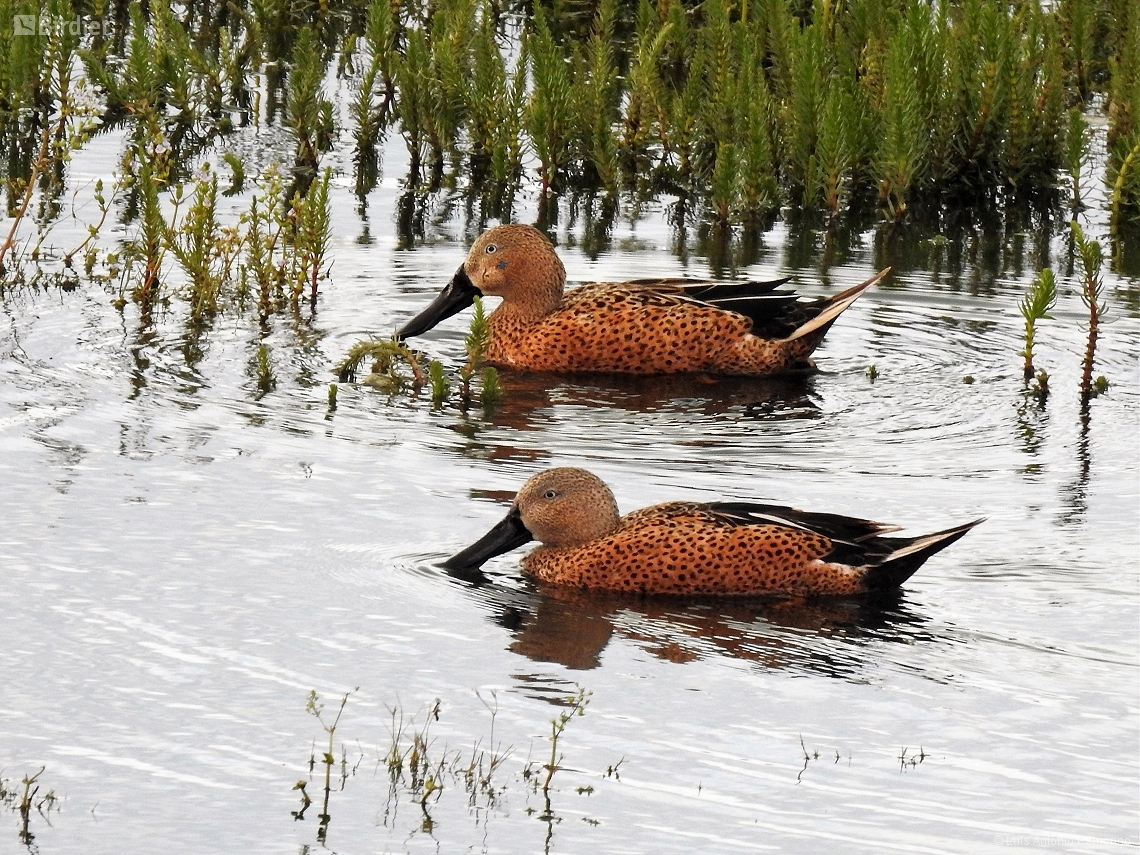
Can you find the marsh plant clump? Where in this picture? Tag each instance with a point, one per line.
(745, 105)
(420, 770)
(1040, 299)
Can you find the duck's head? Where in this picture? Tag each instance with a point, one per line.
(563, 507)
(515, 262)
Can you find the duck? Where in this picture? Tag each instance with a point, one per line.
(644, 326)
(691, 548)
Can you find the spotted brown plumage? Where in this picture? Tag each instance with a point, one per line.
(721, 548)
(647, 326)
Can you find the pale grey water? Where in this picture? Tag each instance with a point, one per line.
(183, 561)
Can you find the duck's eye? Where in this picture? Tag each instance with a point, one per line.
(491, 248)
(549, 494)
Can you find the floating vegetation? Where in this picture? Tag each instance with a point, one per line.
(814, 755)
(908, 760)
(390, 357)
(385, 374)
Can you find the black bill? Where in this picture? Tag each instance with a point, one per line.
(505, 536)
(459, 293)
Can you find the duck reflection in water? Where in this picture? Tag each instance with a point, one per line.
(529, 400)
(572, 627)
(785, 396)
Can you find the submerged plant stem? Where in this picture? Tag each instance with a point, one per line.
(37, 167)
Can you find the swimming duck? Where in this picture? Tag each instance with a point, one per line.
(647, 326)
(720, 548)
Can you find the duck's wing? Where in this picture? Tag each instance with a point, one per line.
(832, 526)
(775, 312)
(887, 561)
(764, 303)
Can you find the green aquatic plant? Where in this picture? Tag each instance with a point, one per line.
(476, 342)
(1077, 140)
(328, 760)
(309, 112)
(1078, 26)
(311, 237)
(76, 115)
(835, 147)
(438, 379)
(1092, 291)
(902, 141)
(376, 80)
(753, 128)
(453, 24)
(419, 768)
(204, 248)
(237, 168)
(549, 112)
(93, 229)
(411, 71)
(490, 392)
(643, 106)
(41, 162)
(575, 706)
(266, 223)
(149, 247)
(1035, 306)
(735, 107)
(264, 377)
(389, 357)
(599, 102)
(724, 187)
(1123, 140)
